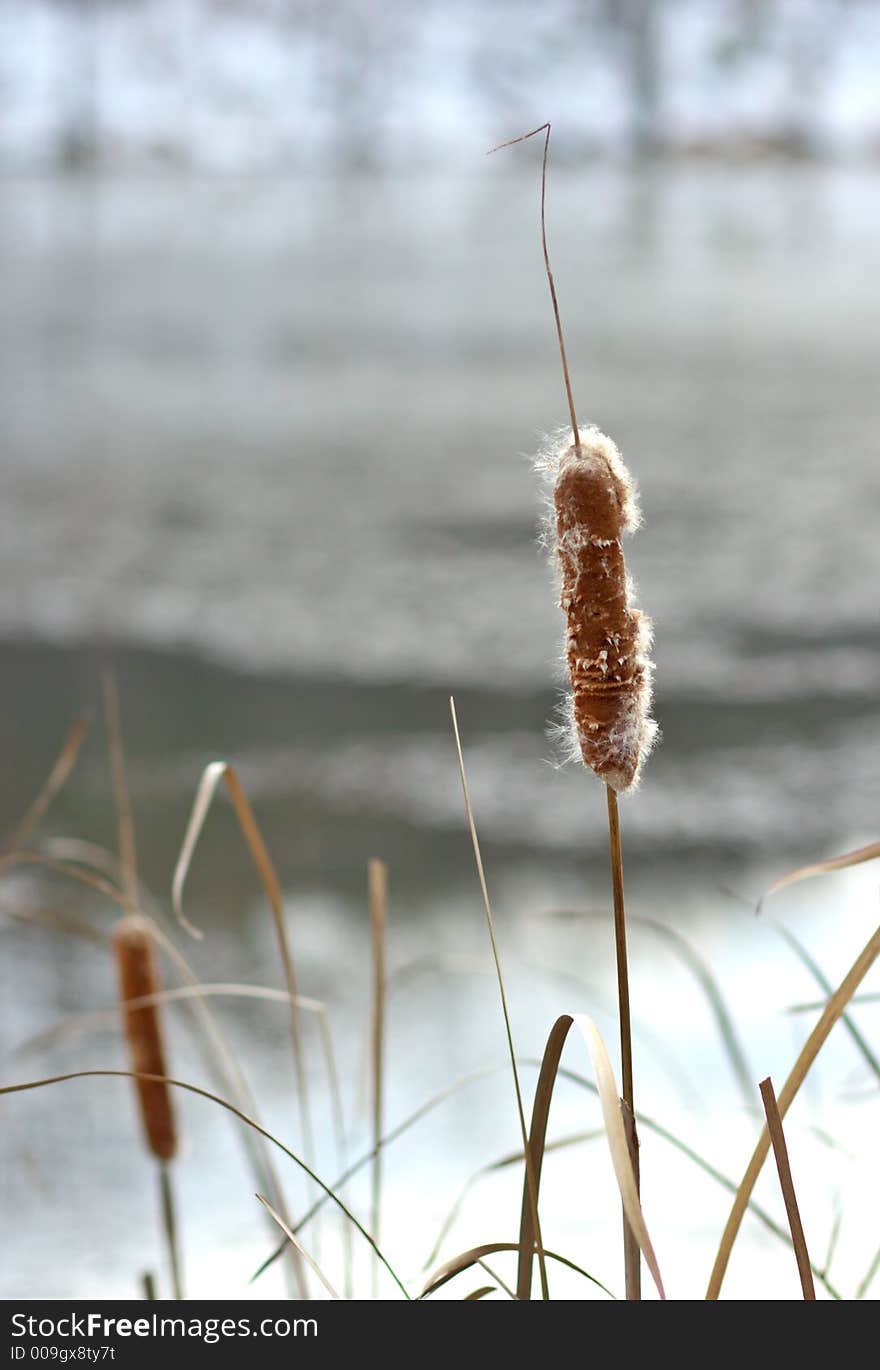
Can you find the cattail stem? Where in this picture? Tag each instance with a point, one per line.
(631, 1254)
(560, 336)
(169, 1227)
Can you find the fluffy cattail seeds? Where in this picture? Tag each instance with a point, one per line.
(139, 979)
(607, 639)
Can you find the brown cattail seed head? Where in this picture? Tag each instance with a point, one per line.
(607, 639)
(138, 979)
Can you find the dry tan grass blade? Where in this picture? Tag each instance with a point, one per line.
(834, 863)
(475, 1256)
(499, 1282)
(70, 870)
(531, 1185)
(211, 777)
(54, 920)
(614, 1130)
(75, 1024)
(55, 781)
(295, 1242)
(780, 1151)
(813, 1045)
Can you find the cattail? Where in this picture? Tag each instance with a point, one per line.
(607, 640)
(606, 648)
(139, 979)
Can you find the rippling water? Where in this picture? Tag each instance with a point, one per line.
(266, 445)
(286, 427)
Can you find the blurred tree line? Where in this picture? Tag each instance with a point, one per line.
(250, 84)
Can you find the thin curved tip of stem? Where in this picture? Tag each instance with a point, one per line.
(523, 137)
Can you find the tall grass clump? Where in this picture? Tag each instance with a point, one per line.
(135, 939)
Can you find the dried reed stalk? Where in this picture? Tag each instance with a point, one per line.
(295, 1242)
(531, 1184)
(593, 504)
(832, 1012)
(53, 784)
(786, 1184)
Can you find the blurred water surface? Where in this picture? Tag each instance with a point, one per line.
(286, 427)
(266, 446)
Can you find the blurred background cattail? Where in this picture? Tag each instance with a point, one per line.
(139, 985)
(139, 981)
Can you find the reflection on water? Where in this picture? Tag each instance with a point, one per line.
(265, 445)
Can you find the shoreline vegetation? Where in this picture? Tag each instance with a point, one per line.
(112, 880)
